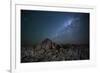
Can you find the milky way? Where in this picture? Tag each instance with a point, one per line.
(61, 27)
(66, 27)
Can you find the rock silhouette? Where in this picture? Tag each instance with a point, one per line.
(51, 51)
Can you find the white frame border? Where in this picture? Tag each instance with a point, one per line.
(51, 65)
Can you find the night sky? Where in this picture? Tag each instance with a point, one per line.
(60, 27)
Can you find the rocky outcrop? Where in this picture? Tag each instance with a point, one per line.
(50, 51)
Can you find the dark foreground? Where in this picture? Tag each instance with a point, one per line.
(49, 51)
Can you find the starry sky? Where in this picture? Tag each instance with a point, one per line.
(60, 27)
